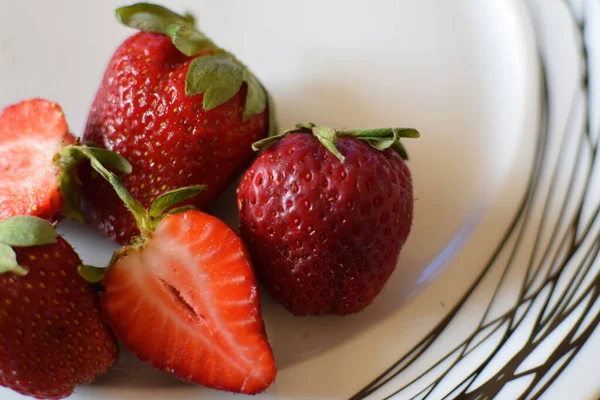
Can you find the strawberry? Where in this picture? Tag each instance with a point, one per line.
(51, 333)
(324, 215)
(37, 160)
(184, 297)
(179, 108)
(31, 133)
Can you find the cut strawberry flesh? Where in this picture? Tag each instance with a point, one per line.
(188, 302)
(31, 134)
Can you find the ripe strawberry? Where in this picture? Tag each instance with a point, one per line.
(37, 157)
(324, 215)
(184, 297)
(51, 333)
(180, 109)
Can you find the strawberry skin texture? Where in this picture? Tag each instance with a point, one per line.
(325, 235)
(141, 112)
(187, 302)
(32, 132)
(51, 333)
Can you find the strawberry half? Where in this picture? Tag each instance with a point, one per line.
(187, 302)
(51, 333)
(32, 132)
(38, 157)
(184, 297)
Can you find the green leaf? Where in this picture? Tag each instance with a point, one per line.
(384, 138)
(69, 157)
(409, 133)
(68, 182)
(399, 147)
(268, 141)
(181, 209)
(191, 20)
(256, 96)
(382, 143)
(26, 231)
(111, 160)
(134, 206)
(154, 18)
(8, 261)
(382, 133)
(379, 139)
(325, 133)
(328, 138)
(90, 273)
(150, 17)
(174, 197)
(219, 77)
(305, 127)
(188, 40)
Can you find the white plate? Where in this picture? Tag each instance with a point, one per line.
(468, 76)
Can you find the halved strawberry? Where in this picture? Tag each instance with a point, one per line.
(184, 297)
(187, 302)
(32, 132)
(38, 159)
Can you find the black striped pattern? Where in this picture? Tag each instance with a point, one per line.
(547, 261)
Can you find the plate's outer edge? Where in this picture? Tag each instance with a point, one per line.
(557, 308)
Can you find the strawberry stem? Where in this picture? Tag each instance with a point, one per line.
(135, 207)
(215, 72)
(380, 138)
(100, 159)
(69, 158)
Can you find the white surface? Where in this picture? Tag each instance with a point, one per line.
(464, 73)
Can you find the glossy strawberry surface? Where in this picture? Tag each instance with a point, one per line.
(142, 112)
(51, 334)
(325, 234)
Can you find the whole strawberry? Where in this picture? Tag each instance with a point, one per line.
(51, 333)
(38, 156)
(325, 214)
(180, 109)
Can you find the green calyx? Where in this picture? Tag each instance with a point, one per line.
(101, 160)
(68, 160)
(147, 220)
(90, 273)
(216, 73)
(22, 231)
(380, 138)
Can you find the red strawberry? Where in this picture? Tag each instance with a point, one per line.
(188, 303)
(37, 160)
(31, 134)
(180, 109)
(184, 297)
(325, 214)
(51, 333)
